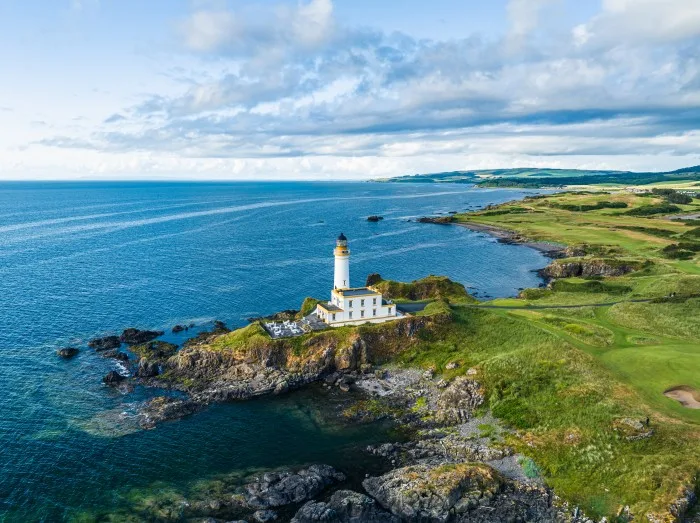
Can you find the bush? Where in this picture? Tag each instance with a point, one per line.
(651, 210)
(683, 199)
(593, 207)
(681, 251)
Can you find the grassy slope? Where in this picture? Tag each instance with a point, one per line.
(563, 376)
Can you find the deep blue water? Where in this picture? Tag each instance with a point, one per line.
(82, 259)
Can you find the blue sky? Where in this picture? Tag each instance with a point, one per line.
(344, 89)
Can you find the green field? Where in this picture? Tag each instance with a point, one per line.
(564, 376)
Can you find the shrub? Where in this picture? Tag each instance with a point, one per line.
(651, 210)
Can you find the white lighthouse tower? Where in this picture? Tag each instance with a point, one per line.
(341, 278)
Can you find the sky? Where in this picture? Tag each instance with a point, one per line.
(344, 89)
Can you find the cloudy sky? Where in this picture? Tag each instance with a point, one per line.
(335, 89)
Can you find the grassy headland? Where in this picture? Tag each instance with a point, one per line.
(565, 376)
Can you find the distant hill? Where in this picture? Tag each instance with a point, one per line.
(538, 178)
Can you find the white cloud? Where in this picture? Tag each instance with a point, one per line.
(641, 22)
(523, 19)
(208, 30)
(313, 22)
(295, 93)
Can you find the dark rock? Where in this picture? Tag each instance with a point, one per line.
(591, 267)
(135, 336)
(67, 352)
(276, 489)
(373, 279)
(440, 220)
(113, 378)
(374, 218)
(265, 516)
(165, 408)
(105, 343)
(220, 327)
(147, 369)
(116, 354)
(344, 506)
(179, 328)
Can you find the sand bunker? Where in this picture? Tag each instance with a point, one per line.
(686, 396)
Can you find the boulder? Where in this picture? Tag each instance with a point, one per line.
(166, 408)
(67, 352)
(147, 369)
(116, 354)
(276, 489)
(105, 343)
(463, 493)
(135, 336)
(458, 401)
(344, 506)
(179, 328)
(113, 378)
(374, 218)
(433, 494)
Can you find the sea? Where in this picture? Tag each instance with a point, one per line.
(85, 259)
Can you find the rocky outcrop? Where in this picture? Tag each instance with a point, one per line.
(116, 354)
(135, 336)
(344, 506)
(461, 493)
(276, 489)
(440, 220)
(277, 366)
(440, 449)
(374, 218)
(568, 268)
(155, 350)
(458, 401)
(147, 369)
(113, 378)
(165, 408)
(105, 343)
(179, 328)
(67, 352)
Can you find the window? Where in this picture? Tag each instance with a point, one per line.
(333, 317)
(362, 303)
(374, 312)
(389, 310)
(350, 304)
(374, 301)
(350, 314)
(362, 314)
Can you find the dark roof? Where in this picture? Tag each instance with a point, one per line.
(364, 291)
(330, 307)
(342, 238)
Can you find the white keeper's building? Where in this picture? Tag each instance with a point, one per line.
(352, 305)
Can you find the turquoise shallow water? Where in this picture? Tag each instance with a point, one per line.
(82, 259)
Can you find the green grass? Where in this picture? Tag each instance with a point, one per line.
(564, 376)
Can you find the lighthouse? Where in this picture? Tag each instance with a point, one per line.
(341, 278)
(352, 305)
